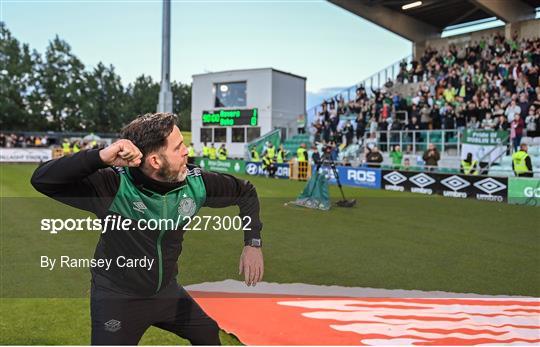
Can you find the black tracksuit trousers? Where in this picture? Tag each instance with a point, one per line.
(121, 319)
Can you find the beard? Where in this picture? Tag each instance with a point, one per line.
(169, 175)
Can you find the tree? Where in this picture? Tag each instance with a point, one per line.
(142, 97)
(104, 97)
(62, 81)
(54, 92)
(37, 106)
(16, 71)
(182, 104)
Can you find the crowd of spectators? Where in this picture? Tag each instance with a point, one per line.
(34, 141)
(21, 141)
(492, 84)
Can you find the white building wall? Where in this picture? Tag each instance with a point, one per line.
(288, 101)
(279, 98)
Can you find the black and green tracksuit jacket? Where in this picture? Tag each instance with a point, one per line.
(85, 182)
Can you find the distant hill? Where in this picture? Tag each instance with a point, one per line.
(315, 98)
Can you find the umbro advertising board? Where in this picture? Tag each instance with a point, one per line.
(450, 185)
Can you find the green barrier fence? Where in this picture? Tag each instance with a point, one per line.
(228, 166)
(524, 191)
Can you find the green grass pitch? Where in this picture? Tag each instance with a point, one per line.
(390, 240)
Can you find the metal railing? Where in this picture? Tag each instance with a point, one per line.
(375, 81)
(490, 162)
(415, 140)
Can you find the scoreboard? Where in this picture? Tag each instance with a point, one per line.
(231, 117)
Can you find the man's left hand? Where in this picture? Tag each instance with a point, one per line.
(252, 265)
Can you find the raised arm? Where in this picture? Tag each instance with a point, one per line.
(83, 179)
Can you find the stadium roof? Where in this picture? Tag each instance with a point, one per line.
(431, 17)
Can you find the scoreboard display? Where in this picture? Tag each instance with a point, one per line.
(230, 117)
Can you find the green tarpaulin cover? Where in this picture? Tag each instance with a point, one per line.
(315, 194)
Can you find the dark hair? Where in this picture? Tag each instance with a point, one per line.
(149, 132)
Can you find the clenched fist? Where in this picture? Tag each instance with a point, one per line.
(121, 153)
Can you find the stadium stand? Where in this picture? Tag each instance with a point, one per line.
(459, 88)
(492, 84)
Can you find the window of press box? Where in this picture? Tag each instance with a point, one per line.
(231, 94)
(253, 133)
(220, 135)
(239, 134)
(206, 135)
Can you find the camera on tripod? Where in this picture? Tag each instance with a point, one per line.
(343, 202)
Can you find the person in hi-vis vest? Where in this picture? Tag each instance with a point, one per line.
(191, 154)
(281, 155)
(469, 166)
(222, 152)
(254, 155)
(270, 150)
(521, 162)
(205, 150)
(75, 148)
(66, 148)
(269, 166)
(212, 152)
(301, 153)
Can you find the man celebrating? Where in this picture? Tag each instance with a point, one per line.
(141, 177)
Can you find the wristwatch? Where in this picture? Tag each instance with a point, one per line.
(253, 243)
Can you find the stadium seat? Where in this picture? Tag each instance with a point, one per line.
(435, 136)
(506, 160)
(497, 172)
(534, 150)
(501, 170)
(527, 140)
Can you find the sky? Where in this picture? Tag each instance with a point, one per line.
(331, 47)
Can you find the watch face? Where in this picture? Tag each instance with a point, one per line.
(256, 242)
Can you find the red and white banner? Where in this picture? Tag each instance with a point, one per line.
(280, 317)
